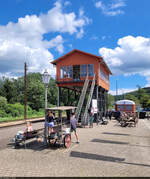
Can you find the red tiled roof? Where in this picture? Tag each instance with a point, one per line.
(76, 50)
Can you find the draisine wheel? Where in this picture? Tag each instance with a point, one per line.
(67, 141)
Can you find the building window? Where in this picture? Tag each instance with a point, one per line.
(69, 71)
(66, 72)
(91, 69)
(62, 69)
(104, 75)
(120, 107)
(129, 107)
(83, 70)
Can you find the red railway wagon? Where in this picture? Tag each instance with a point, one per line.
(125, 106)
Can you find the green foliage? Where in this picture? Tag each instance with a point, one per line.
(111, 100)
(16, 109)
(8, 90)
(12, 96)
(52, 92)
(13, 91)
(2, 113)
(35, 95)
(33, 114)
(141, 97)
(133, 98)
(3, 102)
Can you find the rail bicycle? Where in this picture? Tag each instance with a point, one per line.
(61, 134)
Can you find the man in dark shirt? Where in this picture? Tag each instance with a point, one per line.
(118, 115)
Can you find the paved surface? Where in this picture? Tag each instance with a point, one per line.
(7, 133)
(103, 151)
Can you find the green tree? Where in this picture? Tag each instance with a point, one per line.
(52, 92)
(133, 98)
(143, 97)
(35, 91)
(111, 101)
(8, 90)
(3, 102)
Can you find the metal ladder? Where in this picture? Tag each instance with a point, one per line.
(81, 100)
(85, 116)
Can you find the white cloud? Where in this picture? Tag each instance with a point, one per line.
(103, 37)
(24, 40)
(81, 12)
(112, 9)
(57, 21)
(121, 91)
(131, 56)
(67, 3)
(94, 37)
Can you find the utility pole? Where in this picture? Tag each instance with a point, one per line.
(116, 89)
(25, 91)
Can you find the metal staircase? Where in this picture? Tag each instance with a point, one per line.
(84, 120)
(82, 97)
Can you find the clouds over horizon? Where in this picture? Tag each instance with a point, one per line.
(24, 40)
(121, 91)
(131, 56)
(111, 9)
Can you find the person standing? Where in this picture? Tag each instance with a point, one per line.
(50, 121)
(91, 118)
(118, 115)
(110, 114)
(73, 123)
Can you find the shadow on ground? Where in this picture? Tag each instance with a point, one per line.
(111, 133)
(103, 158)
(34, 145)
(109, 141)
(95, 156)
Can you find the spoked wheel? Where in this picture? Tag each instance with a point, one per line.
(67, 141)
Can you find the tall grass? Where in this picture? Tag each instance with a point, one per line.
(29, 115)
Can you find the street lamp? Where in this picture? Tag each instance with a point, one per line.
(45, 78)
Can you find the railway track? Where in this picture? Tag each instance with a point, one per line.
(20, 122)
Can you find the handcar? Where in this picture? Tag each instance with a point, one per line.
(62, 133)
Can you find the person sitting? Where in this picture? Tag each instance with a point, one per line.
(26, 133)
(29, 127)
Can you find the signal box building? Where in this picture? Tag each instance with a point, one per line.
(71, 72)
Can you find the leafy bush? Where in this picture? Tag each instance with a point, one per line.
(2, 113)
(16, 109)
(3, 102)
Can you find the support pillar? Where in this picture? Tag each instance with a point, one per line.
(97, 87)
(59, 96)
(68, 94)
(59, 100)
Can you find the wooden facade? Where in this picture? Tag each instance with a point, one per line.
(79, 61)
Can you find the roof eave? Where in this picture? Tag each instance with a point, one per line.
(99, 57)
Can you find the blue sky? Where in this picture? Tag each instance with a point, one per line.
(38, 31)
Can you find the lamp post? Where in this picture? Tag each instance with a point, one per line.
(45, 78)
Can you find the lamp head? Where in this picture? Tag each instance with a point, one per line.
(46, 77)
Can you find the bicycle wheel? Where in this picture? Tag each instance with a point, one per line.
(67, 140)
